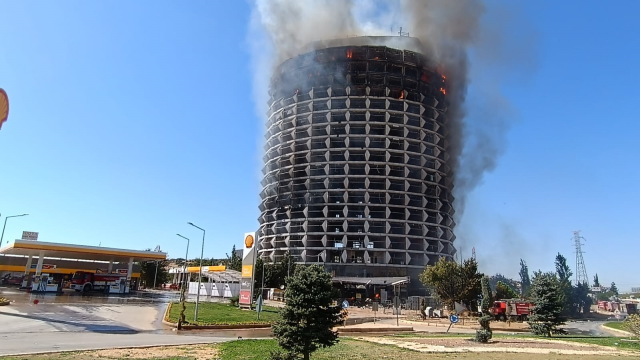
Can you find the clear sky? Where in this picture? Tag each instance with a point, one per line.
(130, 119)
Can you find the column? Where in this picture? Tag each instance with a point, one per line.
(110, 266)
(40, 263)
(130, 269)
(27, 269)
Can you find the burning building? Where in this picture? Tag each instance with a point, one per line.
(355, 165)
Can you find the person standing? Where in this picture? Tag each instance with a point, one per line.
(423, 309)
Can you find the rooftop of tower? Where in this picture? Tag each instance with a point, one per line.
(396, 42)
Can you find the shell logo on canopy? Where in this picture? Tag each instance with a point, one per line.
(4, 107)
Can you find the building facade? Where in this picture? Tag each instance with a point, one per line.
(355, 165)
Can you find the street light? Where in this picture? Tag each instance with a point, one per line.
(186, 256)
(195, 317)
(5, 225)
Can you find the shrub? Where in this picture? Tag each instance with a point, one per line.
(234, 300)
(632, 324)
(483, 336)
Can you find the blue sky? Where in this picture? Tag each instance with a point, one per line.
(128, 121)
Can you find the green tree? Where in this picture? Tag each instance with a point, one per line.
(487, 296)
(453, 282)
(596, 282)
(257, 274)
(307, 320)
(504, 291)
(494, 279)
(547, 312)
(581, 299)
(525, 281)
(614, 289)
(562, 269)
(485, 334)
(471, 283)
(234, 262)
(148, 272)
(564, 277)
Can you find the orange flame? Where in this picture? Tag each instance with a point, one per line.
(443, 91)
(401, 95)
(349, 54)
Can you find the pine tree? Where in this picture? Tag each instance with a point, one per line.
(504, 291)
(308, 318)
(547, 312)
(234, 262)
(564, 277)
(596, 282)
(487, 298)
(614, 289)
(525, 281)
(581, 299)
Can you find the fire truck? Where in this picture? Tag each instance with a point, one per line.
(109, 283)
(512, 309)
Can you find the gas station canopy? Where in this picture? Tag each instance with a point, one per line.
(81, 252)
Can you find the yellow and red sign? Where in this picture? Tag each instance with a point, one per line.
(248, 261)
(4, 107)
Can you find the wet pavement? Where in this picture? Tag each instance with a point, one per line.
(589, 328)
(76, 321)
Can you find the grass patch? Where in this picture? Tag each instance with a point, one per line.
(609, 341)
(223, 314)
(618, 325)
(612, 341)
(346, 349)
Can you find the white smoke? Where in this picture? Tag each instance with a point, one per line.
(451, 31)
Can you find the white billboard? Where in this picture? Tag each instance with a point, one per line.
(29, 235)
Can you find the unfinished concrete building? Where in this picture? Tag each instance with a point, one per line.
(355, 165)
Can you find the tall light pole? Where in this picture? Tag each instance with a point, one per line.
(195, 317)
(5, 225)
(186, 256)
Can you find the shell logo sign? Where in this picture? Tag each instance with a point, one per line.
(4, 107)
(248, 241)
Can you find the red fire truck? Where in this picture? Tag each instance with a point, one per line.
(512, 309)
(110, 283)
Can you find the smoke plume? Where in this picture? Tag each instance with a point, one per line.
(452, 32)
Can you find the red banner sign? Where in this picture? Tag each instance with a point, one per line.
(245, 297)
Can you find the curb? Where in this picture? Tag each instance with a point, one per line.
(165, 321)
(618, 331)
(376, 330)
(469, 327)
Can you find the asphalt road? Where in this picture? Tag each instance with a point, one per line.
(592, 328)
(74, 322)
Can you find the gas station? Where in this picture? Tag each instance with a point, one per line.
(50, 267)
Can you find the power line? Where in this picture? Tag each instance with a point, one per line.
(581, 269)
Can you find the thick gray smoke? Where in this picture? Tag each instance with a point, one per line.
(451, 31)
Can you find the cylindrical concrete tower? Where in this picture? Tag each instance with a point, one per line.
(355, 166)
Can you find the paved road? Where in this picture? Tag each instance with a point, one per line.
(592, 328)
(75, 322)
